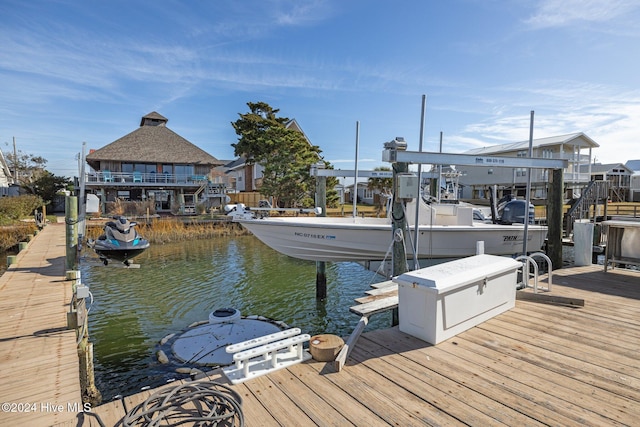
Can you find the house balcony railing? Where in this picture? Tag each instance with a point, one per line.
(583, 159)
(576, 177)
(142, 179)
(542, 176)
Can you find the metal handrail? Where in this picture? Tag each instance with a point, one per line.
(594, 193)
(528, 261)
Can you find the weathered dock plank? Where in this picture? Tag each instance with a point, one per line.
(315, 375)
(299, 386)
(564, 385)
(39, 366)
(537, 364)
(434, 389)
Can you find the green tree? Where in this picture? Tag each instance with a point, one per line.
(46, 185)
(384, 186)
(332, 195)
(285, 154)
(25, 166)
(33, 178)
(255, 130)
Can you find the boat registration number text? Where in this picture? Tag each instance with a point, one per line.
(314, 236)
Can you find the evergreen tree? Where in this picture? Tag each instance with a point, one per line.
(285, 154)
(47, 185)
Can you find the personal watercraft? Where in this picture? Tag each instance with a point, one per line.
(119, 242)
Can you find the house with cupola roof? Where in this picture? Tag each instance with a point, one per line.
(155, 164)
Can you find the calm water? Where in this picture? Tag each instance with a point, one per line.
(181, 283)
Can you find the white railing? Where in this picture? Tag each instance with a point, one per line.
(583, 159)
(576, 177)
(141, 178)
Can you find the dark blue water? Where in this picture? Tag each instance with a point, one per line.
(178, 284)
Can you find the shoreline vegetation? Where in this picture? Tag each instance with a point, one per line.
(170, 230)
(159, 230)
(12, 235)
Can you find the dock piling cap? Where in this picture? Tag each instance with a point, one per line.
(325, 347)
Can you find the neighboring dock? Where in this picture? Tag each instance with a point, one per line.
(537, 364)
(39, 368)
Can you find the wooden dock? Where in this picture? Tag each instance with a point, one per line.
(39, 368)
(537, 364)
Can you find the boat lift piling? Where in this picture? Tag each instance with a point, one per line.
(320, 173)
(398, 217)
(321, 201)
(554, 217)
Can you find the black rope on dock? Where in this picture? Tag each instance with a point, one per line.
(202, 403)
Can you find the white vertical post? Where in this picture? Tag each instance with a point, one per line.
(528, 195)
(416, 264)
(355, 176)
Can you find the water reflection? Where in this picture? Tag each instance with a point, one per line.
(181, 283)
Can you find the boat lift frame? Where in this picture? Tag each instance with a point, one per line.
(395, 152)
(394, 155)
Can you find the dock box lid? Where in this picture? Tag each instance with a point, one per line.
(450, 275)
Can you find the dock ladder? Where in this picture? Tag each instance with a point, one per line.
(527, 274)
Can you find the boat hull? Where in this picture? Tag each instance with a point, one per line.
(366, 239)
(122, 252)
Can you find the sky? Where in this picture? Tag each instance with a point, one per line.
(83, 73)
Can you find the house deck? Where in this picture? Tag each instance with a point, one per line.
(537, 364)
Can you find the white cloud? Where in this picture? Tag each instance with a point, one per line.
(559, 13)
(607, 114)
(300, 12)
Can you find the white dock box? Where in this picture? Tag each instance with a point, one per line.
(438, 302)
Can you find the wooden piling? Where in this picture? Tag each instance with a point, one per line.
(90, 393)
(71, 223)
(321, 201)
(554, 218)
(399, 224)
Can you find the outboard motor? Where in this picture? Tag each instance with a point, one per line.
(513, 212)
(239, 211)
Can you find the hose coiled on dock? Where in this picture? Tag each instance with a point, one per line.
(201, 403)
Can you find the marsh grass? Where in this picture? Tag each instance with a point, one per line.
(11, 235)
(169, 230)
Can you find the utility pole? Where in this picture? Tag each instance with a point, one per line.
(15, 161)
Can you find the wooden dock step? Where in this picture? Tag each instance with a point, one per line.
(379, 305)
(383, 297)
